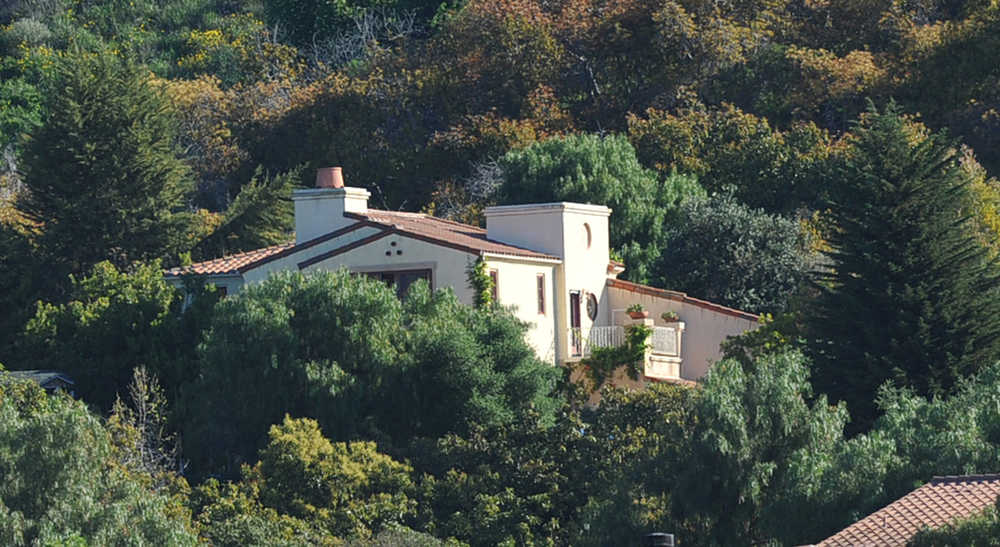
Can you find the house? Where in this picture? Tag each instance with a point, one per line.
(50, 380)
(549, 261)
(944, 500)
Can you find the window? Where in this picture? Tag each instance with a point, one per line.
(540, 281)
(495, 291)
(401, 279)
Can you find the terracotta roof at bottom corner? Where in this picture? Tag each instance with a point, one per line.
(942, 501)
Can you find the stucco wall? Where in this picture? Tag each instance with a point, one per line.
(561, 229)
(447, 265)
(705, 328)
(518, 288)
(291, 262)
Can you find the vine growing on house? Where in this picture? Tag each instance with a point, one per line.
(480, 282)
(604, 361)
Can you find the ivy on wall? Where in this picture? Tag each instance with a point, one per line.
(604, 361)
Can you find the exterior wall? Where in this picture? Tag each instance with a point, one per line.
(291, 262)
(576, 233)
(704, 330)
(319, 211)
(231, 283)
(585, 262)
(517, 287)
(447, 266)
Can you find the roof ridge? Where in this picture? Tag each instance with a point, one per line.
(965, 478)
(433, 218)
(457, 223)
(404, 213)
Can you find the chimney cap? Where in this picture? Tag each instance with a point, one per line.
(329, 177)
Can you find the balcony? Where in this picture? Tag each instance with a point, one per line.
(663, 353)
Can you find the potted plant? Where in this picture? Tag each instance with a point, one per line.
(670, 317)
(636, 311)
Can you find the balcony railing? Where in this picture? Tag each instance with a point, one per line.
(664, 340)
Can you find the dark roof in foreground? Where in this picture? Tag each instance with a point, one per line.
(452, 234)
(942, 501)
(41, 377)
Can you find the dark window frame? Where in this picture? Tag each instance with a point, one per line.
(540, 285)
(391, 277)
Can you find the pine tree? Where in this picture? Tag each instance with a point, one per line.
(910, 295)
(104, 175)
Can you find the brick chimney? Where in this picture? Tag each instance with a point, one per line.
(320, 210)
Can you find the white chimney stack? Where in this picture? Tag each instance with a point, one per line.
(320, 210)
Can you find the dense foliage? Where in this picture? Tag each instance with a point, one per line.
(346, 351)
(908, 283)
(172, 130)
(105, 179)
(977, 531)
(758, 261)
(603, 171)
(86, 337)
(62, 483)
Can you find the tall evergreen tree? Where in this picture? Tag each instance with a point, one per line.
(104, 175)
(910, 295)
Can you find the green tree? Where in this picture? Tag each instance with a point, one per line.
(260, 215)
(756, 438)
(728, 253)
(350, 488)
(113, 322)
(231, 513)
(603, 171)
(61, 482)
(909, 295)
(309, 21)
(19, 282)
(345, 351)
(730, 150)
(105, 181)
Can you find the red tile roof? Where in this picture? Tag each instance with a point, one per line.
(680, 297)
(943, 500)
(446, 232)
(417, 225)
(231, 264)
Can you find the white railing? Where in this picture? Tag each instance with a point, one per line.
(604, 337)
(664, 340)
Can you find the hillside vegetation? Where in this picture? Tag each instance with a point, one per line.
(828, 163)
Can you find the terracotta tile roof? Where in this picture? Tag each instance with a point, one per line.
(939, 502)
(231, 264)
(680, 297)
(420, 226)
(447, 232)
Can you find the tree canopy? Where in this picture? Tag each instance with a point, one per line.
(62, 483)
(602, 171)
(757, 261)
(908, 283)
(344, 350)
(104, 177)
